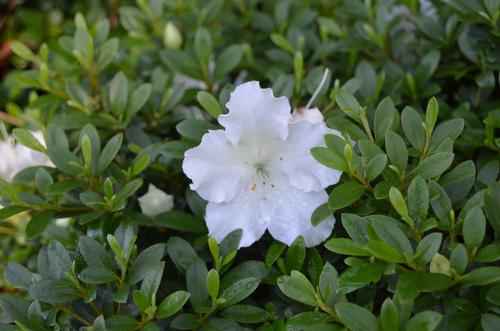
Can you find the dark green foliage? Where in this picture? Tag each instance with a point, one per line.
(123, 89)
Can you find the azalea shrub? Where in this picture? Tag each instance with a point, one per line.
(240, 165)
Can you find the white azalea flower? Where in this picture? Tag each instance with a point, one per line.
(155, 201)
(16, 157)
(259, 174)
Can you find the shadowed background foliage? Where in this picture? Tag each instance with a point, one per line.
(122, 88)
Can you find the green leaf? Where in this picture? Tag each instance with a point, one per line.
(375, 166)
(459, 181)
(489, 253)
(94, 254)
(121, 323)
(490, 322)
(348, 104)
(450, 129)
(145, 260)
(411, 122)
(356, 318)
(22, 51)
(298, 287)
(329, 158)
(141, 300)
(386, 117)
(181, 252)
(493, 295)
(126, 192)
(407, 286)
(194, 129)
(118, 93)
(246, 269)
(239, 291)
(209, 103)
(107, 53)
(398, 202)
(396, 150)
(359, 276)
(121, 295)
(203, 46)
(245, 314)
(38, 223)
(230, 243)
(440, 202)
(392, 235)
(356, 227)
(418, 198)
(16, 309)
(63, 159)
(431, 113)
(424, 321)
(389, 316)
(27, 139)
(384, 252)
(182, 221)
(185, 322)
(428, 247)
(196, 283)
(282, 42)
(459, 259)
(474, 228)
(213, 283)
(43, 180)
(109, 152)
(11, 210)
(172, 304)
(53, 291)
(328, 280)
(346, 246)
(227, 61)
(482, 276)
(138, 99)
(53, 260)
(344, 195)
(79, 98)
(18, 275)
(309, 320)
(59, 188)
(152, 281)
(274, 252)
(434, 165)
(296, 254)
(97, 275)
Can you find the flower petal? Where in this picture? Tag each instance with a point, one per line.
(243, 212)
(290, 212)
(215, 169)
(18, 157)
(312, 115)
(255, 111)
(296, 161)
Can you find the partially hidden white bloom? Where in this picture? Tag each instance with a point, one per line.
(312, 115)
(258, 173)
(16, 157)
(155, 201)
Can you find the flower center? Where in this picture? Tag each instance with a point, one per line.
(262, 177)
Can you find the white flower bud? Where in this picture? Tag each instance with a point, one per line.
(155, 202)
(440, 264)
(172, 37)
(311, 115)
